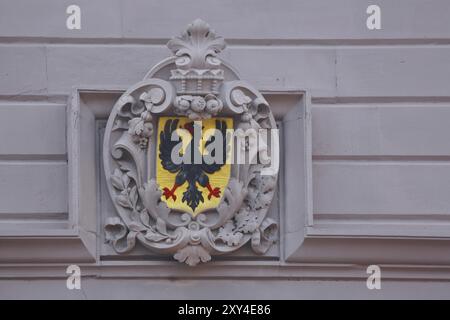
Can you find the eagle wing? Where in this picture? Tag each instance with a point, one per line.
(166, 146)
(221, 126)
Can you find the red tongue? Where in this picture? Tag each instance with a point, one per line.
(190, 127)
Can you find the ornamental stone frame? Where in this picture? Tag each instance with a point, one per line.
(197, 84)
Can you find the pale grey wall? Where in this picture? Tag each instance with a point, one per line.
(380, 105)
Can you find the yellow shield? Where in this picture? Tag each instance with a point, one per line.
(194, 186)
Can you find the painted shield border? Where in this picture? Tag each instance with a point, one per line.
(215, 177)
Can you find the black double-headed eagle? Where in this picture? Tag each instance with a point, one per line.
(189, 171)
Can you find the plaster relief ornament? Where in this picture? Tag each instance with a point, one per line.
(168, 157)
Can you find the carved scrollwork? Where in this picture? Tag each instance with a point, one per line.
(196, 90)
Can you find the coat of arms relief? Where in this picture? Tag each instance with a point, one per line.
(189, 157)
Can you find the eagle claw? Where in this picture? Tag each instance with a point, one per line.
(169, 194)
(214, 192)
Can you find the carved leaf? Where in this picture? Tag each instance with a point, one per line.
(246, 221)
(133, 196)
(116, 180)
(161, 226)
(125, 180)
(129, 169)
(151, 197)
(192, 255)
(234, 195)
(123, 201)
(197, 46)
(137, 227)
(145, 218)
(228, 235)
(155, 236)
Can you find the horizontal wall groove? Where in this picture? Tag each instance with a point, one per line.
(30, 103)
(27, 216)
(382, 217)
(378, 158)
(374, 163)
(61, 98)
(26, 162)
(230, 41)
(380, 99)
(35, 158)
(218, 270)
(48, 99)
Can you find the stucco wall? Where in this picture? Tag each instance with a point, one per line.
(380, 111)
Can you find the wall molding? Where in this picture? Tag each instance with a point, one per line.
(226, 270)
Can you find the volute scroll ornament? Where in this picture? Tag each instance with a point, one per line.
(169, 155)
